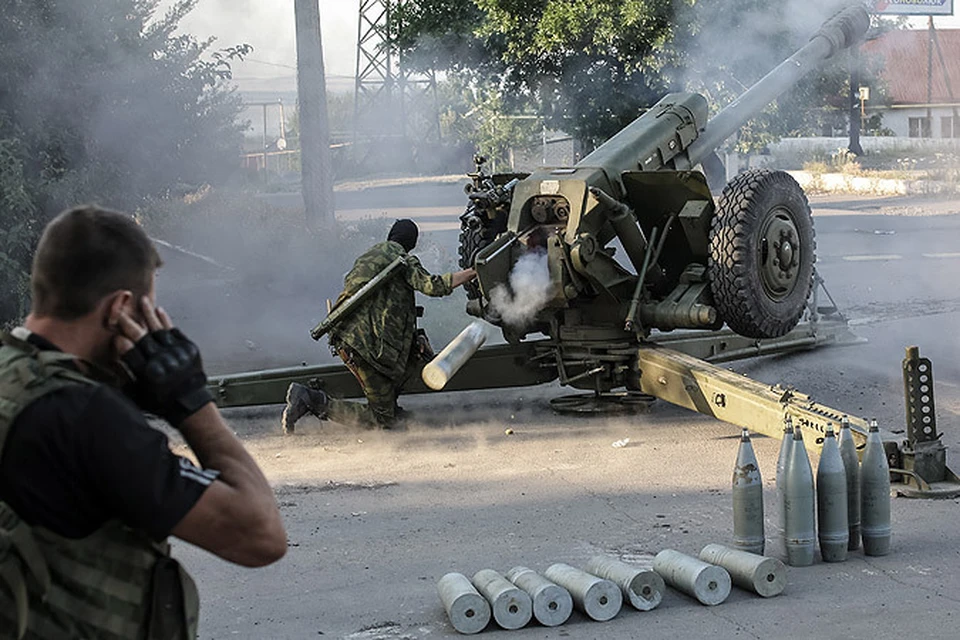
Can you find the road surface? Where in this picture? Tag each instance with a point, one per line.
(375, 518)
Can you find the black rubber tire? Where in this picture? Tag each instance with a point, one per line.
(749, 292)
(471, 242)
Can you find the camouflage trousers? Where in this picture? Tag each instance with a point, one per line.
(380, 410)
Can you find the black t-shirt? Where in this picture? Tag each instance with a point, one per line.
(83, 455)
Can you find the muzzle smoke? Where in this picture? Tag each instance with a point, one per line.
(527, 293)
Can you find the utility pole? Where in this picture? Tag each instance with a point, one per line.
(855, 103)
(930, 42)
(315, 166)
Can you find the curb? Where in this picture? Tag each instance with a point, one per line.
(843, 183)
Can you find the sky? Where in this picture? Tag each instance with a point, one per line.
(269, 27)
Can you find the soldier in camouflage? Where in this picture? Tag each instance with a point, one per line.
(379, 341)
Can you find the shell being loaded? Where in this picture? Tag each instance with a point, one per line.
(438, 371)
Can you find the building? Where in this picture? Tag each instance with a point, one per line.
(923, 82)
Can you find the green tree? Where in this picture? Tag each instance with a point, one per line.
(584, 65)
(103, 100)
(590, 67)
(477, 115)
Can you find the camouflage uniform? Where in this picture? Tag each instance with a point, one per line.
(378, 341)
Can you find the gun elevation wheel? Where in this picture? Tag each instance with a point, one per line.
(762, 250)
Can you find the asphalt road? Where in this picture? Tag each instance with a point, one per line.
(375, 518)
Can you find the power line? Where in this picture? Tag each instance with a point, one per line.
(271, 64)
(287, 66)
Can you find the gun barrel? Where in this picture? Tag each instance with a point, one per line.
(840, 32)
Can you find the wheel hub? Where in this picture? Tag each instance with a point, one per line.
(779, 250)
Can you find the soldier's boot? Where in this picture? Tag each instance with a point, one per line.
(302, 400)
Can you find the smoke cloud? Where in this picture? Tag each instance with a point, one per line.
(528, 292)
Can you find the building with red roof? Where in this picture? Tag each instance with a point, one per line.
(922, 81)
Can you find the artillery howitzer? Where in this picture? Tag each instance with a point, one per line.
(746, 260)
(689, 263)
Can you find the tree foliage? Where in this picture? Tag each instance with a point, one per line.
(476, 115)
(103, 101)
(590, 67)
(584, 65)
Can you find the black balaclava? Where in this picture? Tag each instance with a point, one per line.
(405, 233)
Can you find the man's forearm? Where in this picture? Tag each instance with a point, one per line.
(237, 516)
(462, 277)
(216, 447)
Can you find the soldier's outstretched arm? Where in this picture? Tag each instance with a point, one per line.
(427, 283)
(436, 286)
(236, 517)
(463, 277)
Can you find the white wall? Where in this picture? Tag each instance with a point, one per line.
(826, 146)
(898, 120)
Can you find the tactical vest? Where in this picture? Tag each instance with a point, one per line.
(116, 583)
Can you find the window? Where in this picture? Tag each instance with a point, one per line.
(950, 127)
(920, 128)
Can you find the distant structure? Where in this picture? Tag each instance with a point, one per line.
(922, 73)
(391, 101)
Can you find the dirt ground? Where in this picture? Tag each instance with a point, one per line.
(495, 479)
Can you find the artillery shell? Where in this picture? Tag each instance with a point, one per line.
(782, 461)
(747, 489)
(467, 610)
(511, 606)
(799, 505)
(438, 371)
(642, 587)
(875, 496)
(833, 531)
(764, 576)
(552, 604)
(707, 583)
(597, 598)
(851, 465)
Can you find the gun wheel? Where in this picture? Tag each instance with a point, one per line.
(762, 251)
(613, 402)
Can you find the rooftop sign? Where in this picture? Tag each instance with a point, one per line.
(915, 7)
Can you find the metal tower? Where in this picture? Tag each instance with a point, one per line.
(390, 100)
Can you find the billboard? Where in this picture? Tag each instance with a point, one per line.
(914, 7)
